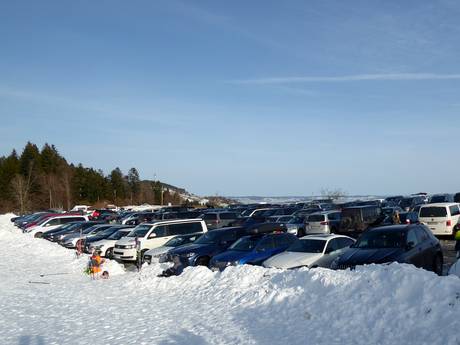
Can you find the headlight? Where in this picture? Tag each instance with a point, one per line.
(234, 263)
(189, 255)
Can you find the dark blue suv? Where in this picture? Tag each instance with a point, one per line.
(208, 245)
(253, 249)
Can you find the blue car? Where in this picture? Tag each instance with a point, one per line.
(206, 246)
(253, 249)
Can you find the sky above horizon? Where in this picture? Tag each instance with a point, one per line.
(241, 97)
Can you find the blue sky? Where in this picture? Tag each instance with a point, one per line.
(240, 97)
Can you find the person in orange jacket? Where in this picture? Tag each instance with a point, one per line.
(95, 263)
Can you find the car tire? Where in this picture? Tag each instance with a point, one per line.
(438, 264)
(203, 261)
(38, 235)
(109, 253)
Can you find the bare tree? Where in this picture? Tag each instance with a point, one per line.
(21, 188)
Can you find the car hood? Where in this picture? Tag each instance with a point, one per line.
(192, 247)
(292, 259)
(231, 255)
(158, 251)
(361, 256)
(126, 241)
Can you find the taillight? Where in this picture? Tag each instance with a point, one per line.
(324, 223)
(449, 223)
(407, 221)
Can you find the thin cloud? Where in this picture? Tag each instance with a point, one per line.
(349, 78)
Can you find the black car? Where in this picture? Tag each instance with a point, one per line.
(214, 242)
(412, 244)
(107, 232)
(73, 227)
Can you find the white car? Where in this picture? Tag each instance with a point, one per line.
(174, 242)
(153, 235)
(106, 245)
(52, 223)
(441, 218)
(321, 222)
(311, 251)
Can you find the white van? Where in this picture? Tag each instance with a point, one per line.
(441, 217)
(322, 222)
(153, 235)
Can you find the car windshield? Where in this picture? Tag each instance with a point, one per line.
(119, 234)
(94, 229)
(139, 231)
(307, 246)
(245, 244)
(70, 226)
(211, 237)
(433, 211)
(381, 239)
(107, 232)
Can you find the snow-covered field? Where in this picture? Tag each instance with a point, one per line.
(395, 304)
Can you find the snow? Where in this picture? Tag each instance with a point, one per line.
(391, 304)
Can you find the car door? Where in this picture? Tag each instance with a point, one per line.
(264, 249)
(428, 251)
(414, 252)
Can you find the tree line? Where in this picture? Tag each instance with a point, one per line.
(43, 179)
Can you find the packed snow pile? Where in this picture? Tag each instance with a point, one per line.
(392, 304)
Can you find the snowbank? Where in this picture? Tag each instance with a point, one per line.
(394, 304)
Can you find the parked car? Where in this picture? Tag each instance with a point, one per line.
(207, 246)
(457, 197)
(53, 222)
(409, 217)
(392, 200)
(323, 222)
(70, 240)
(215, 220)
(280, 219)
(154, 235)
(252, 249)
(311, 251)
(441, 218)
(107, 245)
(357, 219)
(61, 231)
(410, 202)
(437, 198)
(411, 244)
(174, 242)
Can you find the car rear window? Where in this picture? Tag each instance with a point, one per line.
(316, 218)
(210, 216)
(433, 211)
(227, 216)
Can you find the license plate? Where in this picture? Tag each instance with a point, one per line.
(432, 223)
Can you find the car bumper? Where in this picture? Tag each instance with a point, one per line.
(125, 254)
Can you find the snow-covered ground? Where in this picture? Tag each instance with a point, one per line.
(395, 304)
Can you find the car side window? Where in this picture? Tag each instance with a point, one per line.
(345, 242)
(412, 237)
(334, 216)
(332, 246)
(266, 244)
(454, 211)
(160, 231)
(52, 222)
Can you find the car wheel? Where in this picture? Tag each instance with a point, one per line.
(437, 264)
(109, 253)
(38, 235)
(203, 261)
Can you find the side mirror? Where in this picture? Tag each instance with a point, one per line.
(152, 235)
